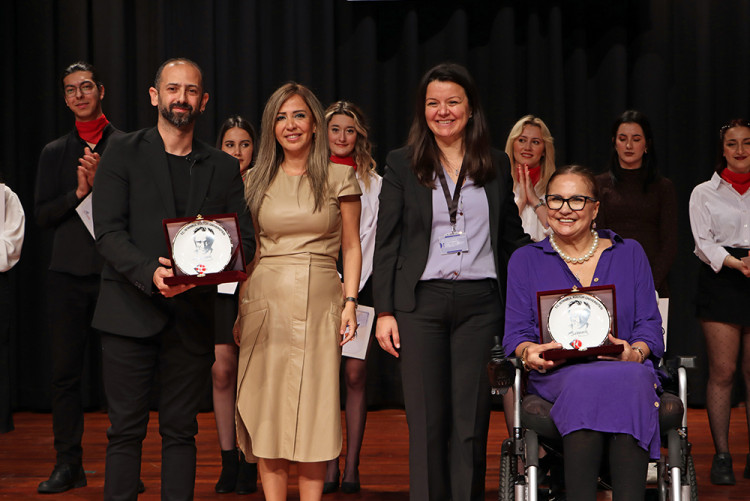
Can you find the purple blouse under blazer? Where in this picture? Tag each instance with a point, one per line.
(606, 396)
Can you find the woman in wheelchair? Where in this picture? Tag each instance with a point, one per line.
(608, 405)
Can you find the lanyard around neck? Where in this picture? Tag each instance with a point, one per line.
(452, 202)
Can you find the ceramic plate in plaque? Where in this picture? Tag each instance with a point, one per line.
(579, 321)
(200, 247)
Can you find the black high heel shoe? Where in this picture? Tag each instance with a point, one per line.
(350, 487)
(331, 487)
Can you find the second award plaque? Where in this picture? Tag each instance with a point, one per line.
(580, 320)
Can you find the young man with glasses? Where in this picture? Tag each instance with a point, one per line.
(64, 180)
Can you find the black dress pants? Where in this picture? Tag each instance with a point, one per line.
(445, 345)
(130, 368)
(71, 301)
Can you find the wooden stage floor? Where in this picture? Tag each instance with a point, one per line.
(27, 457)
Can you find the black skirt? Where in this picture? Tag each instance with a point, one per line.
(724, 296)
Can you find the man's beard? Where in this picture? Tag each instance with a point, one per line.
(181, 119)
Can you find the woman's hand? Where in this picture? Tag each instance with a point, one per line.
(522, 174)
(532, 356)
(737, 264)
(386, 332)
(348, 321)
(628, 353)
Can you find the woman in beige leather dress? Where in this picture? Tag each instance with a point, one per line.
(294, 315)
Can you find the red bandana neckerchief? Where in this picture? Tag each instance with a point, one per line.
(534, 174)
(344, 161)
(738, 180)
(91, 131)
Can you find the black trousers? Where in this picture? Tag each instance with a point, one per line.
(71, 301)
(445, 345)
(130, 368)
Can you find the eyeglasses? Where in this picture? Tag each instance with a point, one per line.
(86, 88)
(576, 202)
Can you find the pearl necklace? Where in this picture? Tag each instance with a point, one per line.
(576, 260)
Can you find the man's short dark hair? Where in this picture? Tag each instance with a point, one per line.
(81, 66)
(157, 79)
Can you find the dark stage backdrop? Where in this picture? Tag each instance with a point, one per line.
(577, 64)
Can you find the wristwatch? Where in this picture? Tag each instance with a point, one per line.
(353, 300)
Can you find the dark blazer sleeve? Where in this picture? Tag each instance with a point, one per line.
(388, 233)
(511, 232)
(113, 187)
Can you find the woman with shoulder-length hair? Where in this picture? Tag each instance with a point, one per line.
(636, 201)
(293, 313)
(531, 148)
(446, 225)
(349, 143)
(718, 218)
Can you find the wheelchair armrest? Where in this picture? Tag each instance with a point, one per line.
(685, 361)
(516, 361)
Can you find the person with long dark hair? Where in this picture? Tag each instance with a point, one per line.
(635, 200)
(349, 144)
(293, 314)
(236, 137)
(447, 221)
(718, 218)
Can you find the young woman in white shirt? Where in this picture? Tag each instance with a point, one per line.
(720, 219)
(349, 144)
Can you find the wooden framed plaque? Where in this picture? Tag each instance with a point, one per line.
(205, 250)
(580, 320)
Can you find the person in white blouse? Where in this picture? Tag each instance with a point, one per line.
(720, 219)
(531, 149)
(350, 145)
(11, 241)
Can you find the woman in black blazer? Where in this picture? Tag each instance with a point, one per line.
(439, 274)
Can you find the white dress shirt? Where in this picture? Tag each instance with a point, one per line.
(719, 217)
(11, 228)
(368, 222)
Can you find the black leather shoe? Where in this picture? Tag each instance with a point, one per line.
(247, 477)
(141, 486)
(746, 473)
(721, 470)
(350, 487)
(64, 477)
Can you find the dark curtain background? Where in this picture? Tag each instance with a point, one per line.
(577, 64)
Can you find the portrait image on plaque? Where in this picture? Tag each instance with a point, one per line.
(205, 249)
(580, 320)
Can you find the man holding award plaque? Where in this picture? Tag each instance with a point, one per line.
(581, 314)
(150, 327)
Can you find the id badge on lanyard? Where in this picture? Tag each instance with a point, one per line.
(454, 241)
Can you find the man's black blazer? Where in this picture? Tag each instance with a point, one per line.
(405, 221)
(132, 194)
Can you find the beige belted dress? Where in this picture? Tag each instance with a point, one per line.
(288, 374)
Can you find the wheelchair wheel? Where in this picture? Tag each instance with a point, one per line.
(690, 482)
(506, 491)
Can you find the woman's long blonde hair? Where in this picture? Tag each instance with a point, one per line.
(271, 155)
(362, 153)
(548, 158)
